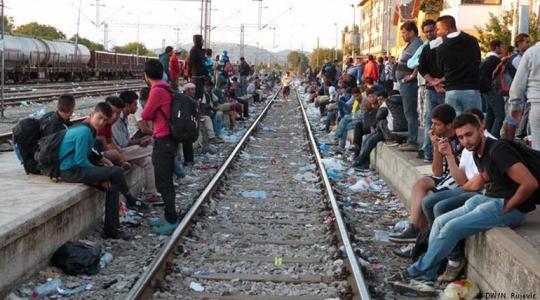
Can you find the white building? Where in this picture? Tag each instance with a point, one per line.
(471, 13)
(377, 34)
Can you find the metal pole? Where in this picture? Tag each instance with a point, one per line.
(97, 12)
(75, 56)
(138, 32)
(202, 16)
(352, 35)
(318, 52)
(2, 108)
(106, 36)
(336, 49)
(208, 22)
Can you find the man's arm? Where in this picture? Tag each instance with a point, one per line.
(527, 185)
(82, 150)
(457, 173)
(475, 184)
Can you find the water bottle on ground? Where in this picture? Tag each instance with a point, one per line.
(47, 289)
(105, 260)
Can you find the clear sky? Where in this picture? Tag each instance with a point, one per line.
(296, 27)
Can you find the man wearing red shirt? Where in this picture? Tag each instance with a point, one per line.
(371, 70)
(174, 68)
(158, 110)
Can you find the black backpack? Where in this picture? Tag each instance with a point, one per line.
(26, 135)
(47, 156)
(76, 258)
(184, 121)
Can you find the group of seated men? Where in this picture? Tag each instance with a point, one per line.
(131, 129)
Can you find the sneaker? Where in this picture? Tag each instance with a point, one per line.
(399, 276)
(138, 205)
(422, 288)
(420, 154)
(353, 148)
(188, 180)
(451, 273)
(117, 234)
(404, 252)
(165, 229)
(407, 236)
(428, 159)
(360, 165)
(408, 147)
(216, 140)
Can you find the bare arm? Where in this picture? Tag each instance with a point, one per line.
(527, 185)
(475, 184)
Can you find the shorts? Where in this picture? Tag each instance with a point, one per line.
(286, 90)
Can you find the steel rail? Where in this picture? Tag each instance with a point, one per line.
(148, 279)
(360, 284)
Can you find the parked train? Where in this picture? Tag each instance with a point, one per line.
(30, 58)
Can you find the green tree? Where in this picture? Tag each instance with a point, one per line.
(8, 24)
(131, 48)
(318, 56)
(499, 27)
(297, 61)
(37, 30)
(88, 43)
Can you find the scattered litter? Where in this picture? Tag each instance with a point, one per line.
(334, 174)
(75, 291)
(463, 289)
(310, 167)
(375, 266)
(248, 174)
(401, 225)
(306, 177)
(39, 113)
(109, 284)
(381, 236)
(278, 261)
(333, 163)
(254, 194)
(325, 148)
(105, 260)
(197, 287)
(47, 289)
(75, 258)
(359, 186)
(273, 161)
(268, 129)
(201, 273)
(24, 104)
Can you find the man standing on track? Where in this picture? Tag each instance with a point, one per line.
(197, 70)
(286, 80)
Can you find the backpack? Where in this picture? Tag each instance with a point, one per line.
(229, 69)
(183, 121)
(26, 135)
(75, 258)
(329, 71)
(486, 77)
(531, 160)
(502, 78)
(47, 154)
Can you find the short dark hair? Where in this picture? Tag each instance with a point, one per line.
(448, 21)
(168, 49)
(444, 113)
(66, 103)
(153, 69)
(208, 83)
(477, 112)
(428, 22)
(115, 101)
(242, 58)
(383, 94)
(465, 119)
(104, 108)
(370, 57)
(355, 90)
(409, 26)
(128, 97)
(369, 80)
(143, 94)
(371, 92)
(494, 45)
(520, 38)
(208, 51)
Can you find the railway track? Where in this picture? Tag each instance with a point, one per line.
(14, 88)
(258, 230)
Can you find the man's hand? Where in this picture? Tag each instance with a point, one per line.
(106, 162)
(105, 184)
(144, 142)
(444, 148)
(434, 138)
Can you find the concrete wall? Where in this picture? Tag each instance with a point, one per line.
(500, 260)
(26, 248)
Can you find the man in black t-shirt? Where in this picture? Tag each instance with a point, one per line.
(509, 189)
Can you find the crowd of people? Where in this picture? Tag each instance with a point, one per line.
(479, 117)
(156, 129)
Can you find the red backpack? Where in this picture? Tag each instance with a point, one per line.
(229, 69)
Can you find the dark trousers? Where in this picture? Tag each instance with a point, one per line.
(163, 157)
(359, 132)
(199, 86)
(245, 104)
(95, 175)
(187, 150)
(495, 112)
(331, 117)
(369, 144)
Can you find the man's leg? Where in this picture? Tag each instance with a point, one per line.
(470, 99)
(217, 122)
(534, 117)
(479, 213)
(187, 149)
(142, 157)
(207, 123)
(358, 136)
(369, 145)
(497, 105)
(430, 201)
(163, 159)
(330, 118)
(409, 93)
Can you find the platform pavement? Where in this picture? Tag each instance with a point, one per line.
(500, 260)
(38, 215)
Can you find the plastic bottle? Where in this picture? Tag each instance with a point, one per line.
(48, 288)
(105, 260)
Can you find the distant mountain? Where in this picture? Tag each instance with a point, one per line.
(252, 54)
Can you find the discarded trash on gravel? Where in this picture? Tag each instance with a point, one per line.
(254, 194)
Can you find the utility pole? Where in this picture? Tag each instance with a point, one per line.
(75, 56)
(202, 17)
(2, 108)
(177, 31)
(336, 47)
(106, 36)
(242, 32)
(352, 34)
(318, 52)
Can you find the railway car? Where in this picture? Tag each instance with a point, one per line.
(109, 65)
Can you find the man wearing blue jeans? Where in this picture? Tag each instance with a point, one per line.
(408, 84)
(509, 196)
(459, 59)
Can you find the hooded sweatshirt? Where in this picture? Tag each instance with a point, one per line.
(196, 58)
(158, 108)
